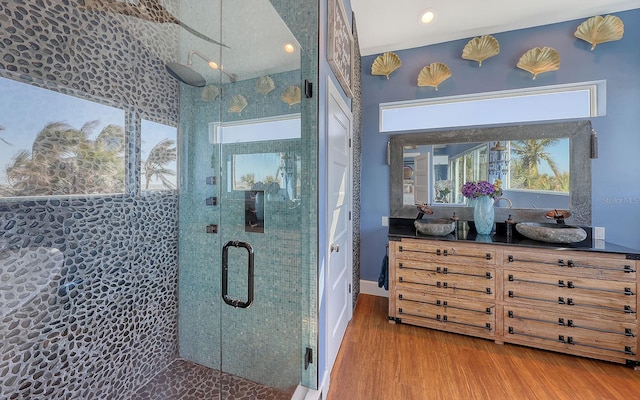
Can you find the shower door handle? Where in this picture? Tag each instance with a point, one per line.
(225, 274)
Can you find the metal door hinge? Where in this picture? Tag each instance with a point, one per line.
(349, 288)
(308, 357)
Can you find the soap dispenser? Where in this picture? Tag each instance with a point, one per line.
(509, 223)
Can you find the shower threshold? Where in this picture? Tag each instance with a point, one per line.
(185, 380)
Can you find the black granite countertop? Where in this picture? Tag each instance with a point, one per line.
(403, 228)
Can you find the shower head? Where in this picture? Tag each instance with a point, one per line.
(186, 74)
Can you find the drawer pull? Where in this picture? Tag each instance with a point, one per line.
(487, 275)
(400, 265)
(570, 324)
(446, 253)
(488, 256)
(561, 263)
(489, 311)
(510, 258)
(400, 249)
(511, 330)
(628, 269)
(510, 314)
(627, 332)
(561, 283)
(511, 294)
(488, 326)
(445, 303)
(438, 252)
(628, 310)
(570, 264)
(561, 339)
(400, 279)
(561, 300)
(561, 321)
(510, 278)
(628, 292)
(488, 291)
(438, 317)
(570, 301)
(627, 350)
(570, 285)
(570, 340)
(400, 296)
(438, 284)
(438, 303)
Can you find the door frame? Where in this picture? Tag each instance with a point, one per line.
(334, 93)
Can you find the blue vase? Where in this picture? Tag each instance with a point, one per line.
(483, 215)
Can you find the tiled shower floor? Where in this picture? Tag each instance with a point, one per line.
(184, 380)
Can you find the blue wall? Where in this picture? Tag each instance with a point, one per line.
(616, 182)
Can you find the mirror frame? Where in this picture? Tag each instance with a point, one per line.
(579, 134)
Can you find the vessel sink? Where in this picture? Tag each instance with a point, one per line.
(434, 227)
(551, 233)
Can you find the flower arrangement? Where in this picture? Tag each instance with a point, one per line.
(473, 190)
(442, 189)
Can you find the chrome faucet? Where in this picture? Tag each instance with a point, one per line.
(497, 200)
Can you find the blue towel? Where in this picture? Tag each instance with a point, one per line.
(383, 279)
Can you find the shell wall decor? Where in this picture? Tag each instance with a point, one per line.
(238, 103)
(385, 64)
(209, 93)
(480, 48)
(539, 60)
(291, 95)
(433, 75)
(264, 85)
(600, 29)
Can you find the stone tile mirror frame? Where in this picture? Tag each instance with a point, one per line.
(579, 134)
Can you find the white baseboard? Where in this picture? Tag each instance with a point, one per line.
(304, 393)
(371, 287)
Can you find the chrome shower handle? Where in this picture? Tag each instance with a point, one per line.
(225, 274)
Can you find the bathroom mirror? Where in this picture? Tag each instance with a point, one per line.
(461, 155)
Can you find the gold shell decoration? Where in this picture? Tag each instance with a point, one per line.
(291, 95)
(480, 48)
(238, 103)
(385, 64)
(539, 60)
(264, 85)
(209, 93)
(600, 29)
(433, 75)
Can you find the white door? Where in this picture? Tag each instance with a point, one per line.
(339, 257)
(421, 178)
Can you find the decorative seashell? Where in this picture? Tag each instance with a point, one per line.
(600, 29)
(433, 75)
(265, 85)
(480, 48)
(539, 60)
(238, 103)
(291, 95)
(209, 93)
(385, 64)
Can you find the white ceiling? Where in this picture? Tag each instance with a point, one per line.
(385, 25)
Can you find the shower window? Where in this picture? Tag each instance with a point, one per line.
(159, 156)
(55, 144)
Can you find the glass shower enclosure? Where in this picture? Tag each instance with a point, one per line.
(241, 196)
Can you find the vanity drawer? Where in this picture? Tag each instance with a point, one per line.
(570, 332)
(447, 280)
(445, 312)
(588, 265)
(446, 252)
(562, 292)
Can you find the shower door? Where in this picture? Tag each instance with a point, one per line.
(241, 236)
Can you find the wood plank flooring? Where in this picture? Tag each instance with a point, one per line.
(383, 361)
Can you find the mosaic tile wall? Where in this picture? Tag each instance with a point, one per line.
(103, 321)
(356, 109)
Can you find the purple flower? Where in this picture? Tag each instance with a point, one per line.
(473, 190)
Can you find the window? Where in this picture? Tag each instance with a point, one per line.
(159, 156)
(56, 144)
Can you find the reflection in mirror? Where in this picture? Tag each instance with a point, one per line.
(541, 167)
(533, 173)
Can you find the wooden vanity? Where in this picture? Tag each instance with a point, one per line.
(577, 301)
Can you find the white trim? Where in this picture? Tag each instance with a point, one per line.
(579, 100)
(371, 287)
(304, 393)
(280, 127)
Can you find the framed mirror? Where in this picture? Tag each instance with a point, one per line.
(431, 167)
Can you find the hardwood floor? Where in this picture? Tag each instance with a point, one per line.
(383, 361)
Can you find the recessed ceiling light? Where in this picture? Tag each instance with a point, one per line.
(427, 16)
(289, 48)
